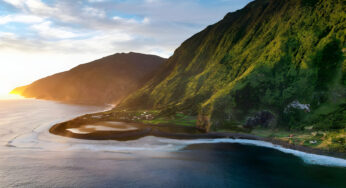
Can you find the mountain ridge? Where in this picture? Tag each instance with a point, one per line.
(263, 57)
(102, 81)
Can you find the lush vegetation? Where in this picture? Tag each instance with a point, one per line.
(177, 119)
(331, 140)
(264, 57)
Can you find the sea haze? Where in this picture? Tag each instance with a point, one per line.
(31, 157)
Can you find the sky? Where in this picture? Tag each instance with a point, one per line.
(42, 37)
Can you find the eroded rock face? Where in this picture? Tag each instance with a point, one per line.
(262, 118)
(203, 123)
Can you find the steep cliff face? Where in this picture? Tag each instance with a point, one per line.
(258, 60)
(106, 80)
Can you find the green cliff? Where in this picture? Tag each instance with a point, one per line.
(274, 63)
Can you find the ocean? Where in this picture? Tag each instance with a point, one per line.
(32, 157)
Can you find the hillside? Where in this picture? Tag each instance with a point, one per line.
(103, 81)
(273, 63)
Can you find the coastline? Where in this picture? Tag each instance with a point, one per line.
(182, 133)
(132, 135)
(54, 155)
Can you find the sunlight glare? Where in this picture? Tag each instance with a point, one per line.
(10, 96)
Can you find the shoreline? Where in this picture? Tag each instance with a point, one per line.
(183, 133)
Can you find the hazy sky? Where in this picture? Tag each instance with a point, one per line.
(42, 37)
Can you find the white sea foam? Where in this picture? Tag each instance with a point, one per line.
(306, 157)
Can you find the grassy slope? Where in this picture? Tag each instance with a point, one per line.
(262, 57)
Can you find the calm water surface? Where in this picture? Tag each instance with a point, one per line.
(31, 157)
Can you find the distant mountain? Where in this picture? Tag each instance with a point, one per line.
(106, 80)
(274, 62)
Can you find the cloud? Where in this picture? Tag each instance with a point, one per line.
(89, 11)
(132, 21)
(148, 26)
(7, 35)
(16, 3)
(21, 18)
(123, 20)
(46, 30)
(96, 1)
(31, 5)
(38, 8)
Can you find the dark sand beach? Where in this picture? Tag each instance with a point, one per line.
(126, 131)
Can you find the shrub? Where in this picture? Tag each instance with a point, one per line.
(309, 3)
(327, 62)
